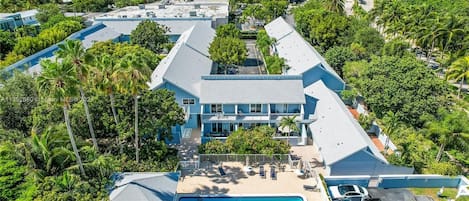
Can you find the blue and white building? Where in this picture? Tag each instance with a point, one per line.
(216, 105)
(11, 21)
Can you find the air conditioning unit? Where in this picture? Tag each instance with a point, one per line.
(197, 6)
(193, 13)
(161, 6)
(141, 6)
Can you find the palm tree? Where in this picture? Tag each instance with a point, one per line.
(134, 71)
(105, 78)
(451, 29)
(73, 51)
(450, 129)
(337, 6)
(459, 71)
(58, 80)
(290, 124)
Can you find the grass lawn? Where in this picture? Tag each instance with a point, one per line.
(448, 193)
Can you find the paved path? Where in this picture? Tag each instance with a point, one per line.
(188, 149)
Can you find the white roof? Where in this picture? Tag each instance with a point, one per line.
(178, 9)
(102, 35)
(186, 62)
(300, 56)
(337, 134)
(145, 186)
(253, 89)
(28, 13)
(176, 27)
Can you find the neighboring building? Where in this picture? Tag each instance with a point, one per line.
(145, 186)
(178, 16)
(11, 21)
(88, 36)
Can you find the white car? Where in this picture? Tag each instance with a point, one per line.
(347, 191)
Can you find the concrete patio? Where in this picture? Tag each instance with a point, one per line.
(207, 180)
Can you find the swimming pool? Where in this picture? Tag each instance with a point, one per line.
(265, 198)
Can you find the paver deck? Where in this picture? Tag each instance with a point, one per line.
(236, 181)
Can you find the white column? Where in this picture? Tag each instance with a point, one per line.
(236, 109)
(201, 109)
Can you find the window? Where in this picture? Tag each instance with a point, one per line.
(256, 108)
(217, 127)
(216, 108)
(188, 101)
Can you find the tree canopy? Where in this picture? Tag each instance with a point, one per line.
(150, 35)
(228, 50)
(254, 141)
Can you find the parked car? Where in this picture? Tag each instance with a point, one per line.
(347, 191)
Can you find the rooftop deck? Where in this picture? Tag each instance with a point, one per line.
(207, 180)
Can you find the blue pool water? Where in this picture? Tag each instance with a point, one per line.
(277, 198)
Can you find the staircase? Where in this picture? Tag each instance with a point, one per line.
(188, 149)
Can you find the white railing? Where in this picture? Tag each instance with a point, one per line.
(189, 165)
(256, 158)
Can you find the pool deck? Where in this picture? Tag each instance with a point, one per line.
(236, 182)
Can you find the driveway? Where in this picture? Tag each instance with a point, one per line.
(393, 194)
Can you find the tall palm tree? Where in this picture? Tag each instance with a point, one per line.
(452, 28)
(73, 51)
(450, 129)
(459, 71)
(58, 81)
(337, 6)
(134, 71)
(105, 78)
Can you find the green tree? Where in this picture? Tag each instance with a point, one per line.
(289, 123)
(353, 71)
(135, 72)
(150, 35)
(337, 56)
(459, 71)
(255, 141)
(228, 51)
(58, 81)
(449, 129)
(19, 96)
(396, 47)
(273, 9)
(370, 39)
(7, 42)
(327, 29)
(337, 6)
(12, 173)
(391, 126)
(228, 30)
(72, 51)
(46, 11)
(399, 95)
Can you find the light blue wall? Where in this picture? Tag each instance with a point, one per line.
(400, 181)
(319, 73)
(364, 163)
(310, 106)
(180, 94)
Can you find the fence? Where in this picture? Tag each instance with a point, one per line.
(251, 158)
(189, 165)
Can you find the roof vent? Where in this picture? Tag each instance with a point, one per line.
(161, 6)
(192, 13)
(197, 6)
(141, 6)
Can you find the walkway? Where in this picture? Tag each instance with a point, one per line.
(188, 149)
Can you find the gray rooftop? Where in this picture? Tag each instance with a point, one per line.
(146, 186)
(300, 56)
(176, 27)
(187, 61)
(337, 134)
(252, 90)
